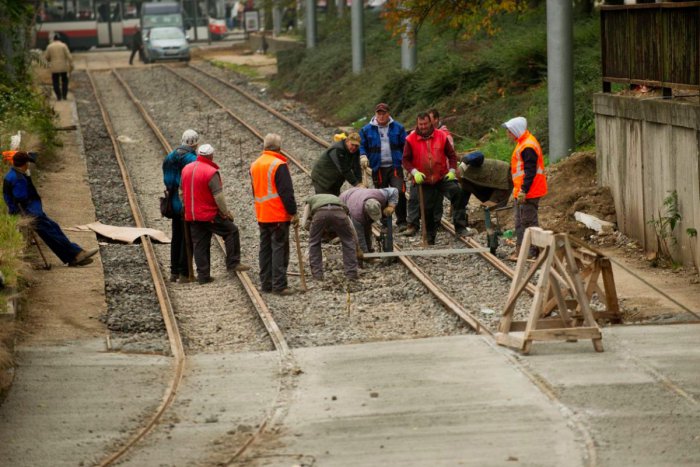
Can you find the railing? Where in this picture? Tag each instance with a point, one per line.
(653, 44)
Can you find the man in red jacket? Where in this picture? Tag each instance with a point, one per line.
(206, 213)
(430, 158)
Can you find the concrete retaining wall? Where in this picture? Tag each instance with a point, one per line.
(646, 148)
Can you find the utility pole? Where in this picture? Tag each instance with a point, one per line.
(276, 19)
(560, 78)
(310, 24)
(358, 39)
(408, 47)
(340, 7)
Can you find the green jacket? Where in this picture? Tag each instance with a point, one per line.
(317, 201)
(334, 167)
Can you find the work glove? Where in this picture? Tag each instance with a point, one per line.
(295, 220)
(463, 166)
(364, 162)
(419, 177)
(388, 211)
(522, 197)
(450, 175)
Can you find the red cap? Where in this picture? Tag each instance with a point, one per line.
(381, 108)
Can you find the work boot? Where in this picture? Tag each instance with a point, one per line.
(410, 231)
(401, 227)
(185, 279)
(514, 255)
(174, 277)
(205, 280)
(83, 257)
(284, 292)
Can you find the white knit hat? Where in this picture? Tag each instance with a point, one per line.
(189, 138)
(206, 150)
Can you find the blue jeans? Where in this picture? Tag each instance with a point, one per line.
(53, 236)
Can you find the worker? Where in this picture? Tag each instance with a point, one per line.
(21, 197)
(326, 214)
(367, 205)
(206, 213)
(275, 208)
(61, 64)
(488, 180)
(529, 180)
(381, 148)
(337, 164)
(172, 173)
(431, 160)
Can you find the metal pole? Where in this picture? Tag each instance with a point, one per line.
(276, 20)
(560, 82)
(358, 39)
(340, 8)
(408, 48)
(310, 24)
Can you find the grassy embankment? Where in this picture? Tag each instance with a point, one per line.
(476, 84)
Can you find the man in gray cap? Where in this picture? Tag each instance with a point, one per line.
(367, 205)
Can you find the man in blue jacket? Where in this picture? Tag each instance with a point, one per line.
(381, 148)
(22, 198)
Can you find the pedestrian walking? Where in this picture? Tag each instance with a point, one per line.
(368, 205)
(381, 148)
(275, 209)
(431, 160)
(325, 214)
(22, 198)
(336, 165)
(172, 173)
(207, 213)
(136, 45)
(61, 65)
(529, 180)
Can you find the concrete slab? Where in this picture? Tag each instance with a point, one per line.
(220, 403)
(441, 401)
(70, 402)
(640, 397)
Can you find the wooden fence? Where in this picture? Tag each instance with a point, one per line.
(653, 44)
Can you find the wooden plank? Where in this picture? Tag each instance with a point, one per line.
(546, 323)
(540, 238)
(514, 340)
(686, 150)
(612, 305)
(563, 334)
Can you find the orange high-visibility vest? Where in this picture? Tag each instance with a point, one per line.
(517, 169)
(268, 204)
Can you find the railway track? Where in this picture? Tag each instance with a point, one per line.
(286, 359)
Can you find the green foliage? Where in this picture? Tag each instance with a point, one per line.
(476, 84)
(23, 108)
(664, 226)
(244, 70)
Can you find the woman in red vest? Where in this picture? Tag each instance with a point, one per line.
(529, 181)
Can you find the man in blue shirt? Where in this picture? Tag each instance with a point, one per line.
(172, 171)
(381, 149)
(21, 197)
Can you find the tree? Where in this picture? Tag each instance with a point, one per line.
(466, 16)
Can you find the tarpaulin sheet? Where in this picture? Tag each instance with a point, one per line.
(123, 234)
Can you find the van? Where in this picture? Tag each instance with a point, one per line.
(161, 14)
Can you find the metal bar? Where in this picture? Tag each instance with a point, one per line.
(444, 252)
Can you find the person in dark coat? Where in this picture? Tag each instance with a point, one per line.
(21, 197)
(338, 164)
(136, 45)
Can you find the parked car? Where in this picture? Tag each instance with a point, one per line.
(168, 43)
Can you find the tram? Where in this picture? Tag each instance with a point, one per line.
(84, 24)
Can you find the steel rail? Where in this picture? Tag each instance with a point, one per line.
(442, 296)
(497, 263)
(286, 359)
(174, 337)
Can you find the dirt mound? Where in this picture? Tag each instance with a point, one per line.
(572, 186)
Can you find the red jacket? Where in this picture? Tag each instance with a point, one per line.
(196, 195)
(433, 155)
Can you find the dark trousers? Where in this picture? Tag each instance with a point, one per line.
(201, 242)
(274, 255)
(60, 85)
(364, 235)
(133, 52)
(178, 248)
(332, 218)
(482, 193)
(525, 216)
(432, 195)
(413, 212)
(393, 177)
(55, 239)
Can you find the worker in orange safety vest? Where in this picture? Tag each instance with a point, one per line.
(529, 180)
(275, 209)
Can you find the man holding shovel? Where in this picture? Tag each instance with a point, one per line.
(431, 160)
(275, 209)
